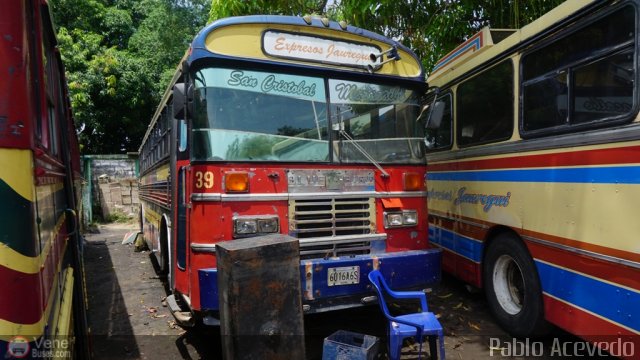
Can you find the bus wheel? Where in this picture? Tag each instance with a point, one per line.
(513, 288)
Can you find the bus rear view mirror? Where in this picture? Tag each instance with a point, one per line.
(433, 113)
(179, 101)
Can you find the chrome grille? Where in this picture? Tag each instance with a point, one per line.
(332, 227)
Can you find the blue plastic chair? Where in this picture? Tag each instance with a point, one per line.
(416, 325)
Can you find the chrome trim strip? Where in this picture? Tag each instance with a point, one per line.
(218, 197)
(205, 197)
(599, 136)
(457, 233)
(356, 194)
(342, 239)
(608, 258)
(453, 252)
(334, 251)
(205, 248)
(331, 195)
(466, 222)
(253, 197)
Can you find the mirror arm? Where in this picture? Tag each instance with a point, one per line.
(436, 91)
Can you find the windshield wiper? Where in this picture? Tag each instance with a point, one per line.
(363, 152)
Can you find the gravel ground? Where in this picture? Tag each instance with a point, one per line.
(129, 321)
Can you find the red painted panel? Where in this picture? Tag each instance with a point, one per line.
(24, 306)
(461, 267)
(622, 155)
(16, 97)
(587, 326)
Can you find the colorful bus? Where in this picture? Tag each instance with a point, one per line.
(42, 303)
(533, 169)
(296, 126)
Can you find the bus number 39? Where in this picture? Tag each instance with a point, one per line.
(204, 179)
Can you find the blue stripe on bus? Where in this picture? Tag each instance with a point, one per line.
(613, 302)
(596, 175)
(474, 44)
(456, 243)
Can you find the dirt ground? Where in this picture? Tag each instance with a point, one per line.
(129, 321)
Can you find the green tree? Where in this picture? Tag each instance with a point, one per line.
(432, 28)
(119, 56)
(226, 8)
(429, 27)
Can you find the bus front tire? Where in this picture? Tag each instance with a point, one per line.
(512, 287)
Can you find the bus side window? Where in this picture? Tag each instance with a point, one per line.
(441, 138)
(545, 102)
(581, 79)
(51, 87)
(182, 135)
(485, 106)
(604, 88)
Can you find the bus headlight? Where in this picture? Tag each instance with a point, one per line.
(268, 225)
(247, 226)
(409, 218)
(394, 219)
(400, 218)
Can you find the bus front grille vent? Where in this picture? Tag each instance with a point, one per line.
(314, 251)
(321, 220)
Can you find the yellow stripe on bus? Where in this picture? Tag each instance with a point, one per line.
(10, 329)
(17, 171)
(586, 212)
(152, 216)
(163, 172)
(13, 260)
(63, 318)
(240, 41)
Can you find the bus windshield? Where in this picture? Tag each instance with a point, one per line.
(242, 115)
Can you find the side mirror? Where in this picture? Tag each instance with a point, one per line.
(435, 115)
(182, 96)
(179, 101)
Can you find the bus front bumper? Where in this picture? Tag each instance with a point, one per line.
(342, 282)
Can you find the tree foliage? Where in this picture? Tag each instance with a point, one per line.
(432, 28)
(429, 27)
(226, 8)
(119, 56)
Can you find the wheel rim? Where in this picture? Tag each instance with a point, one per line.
(508, 284)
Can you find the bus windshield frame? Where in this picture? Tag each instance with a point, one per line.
(256, 116)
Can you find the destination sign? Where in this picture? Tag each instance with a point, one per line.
(317, 49)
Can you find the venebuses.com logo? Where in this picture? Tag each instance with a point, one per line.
(20, 347)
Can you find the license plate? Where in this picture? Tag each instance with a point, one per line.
(343, 275)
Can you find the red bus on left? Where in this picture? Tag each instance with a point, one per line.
(42, 300)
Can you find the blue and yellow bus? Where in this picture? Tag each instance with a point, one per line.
(534, 170)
